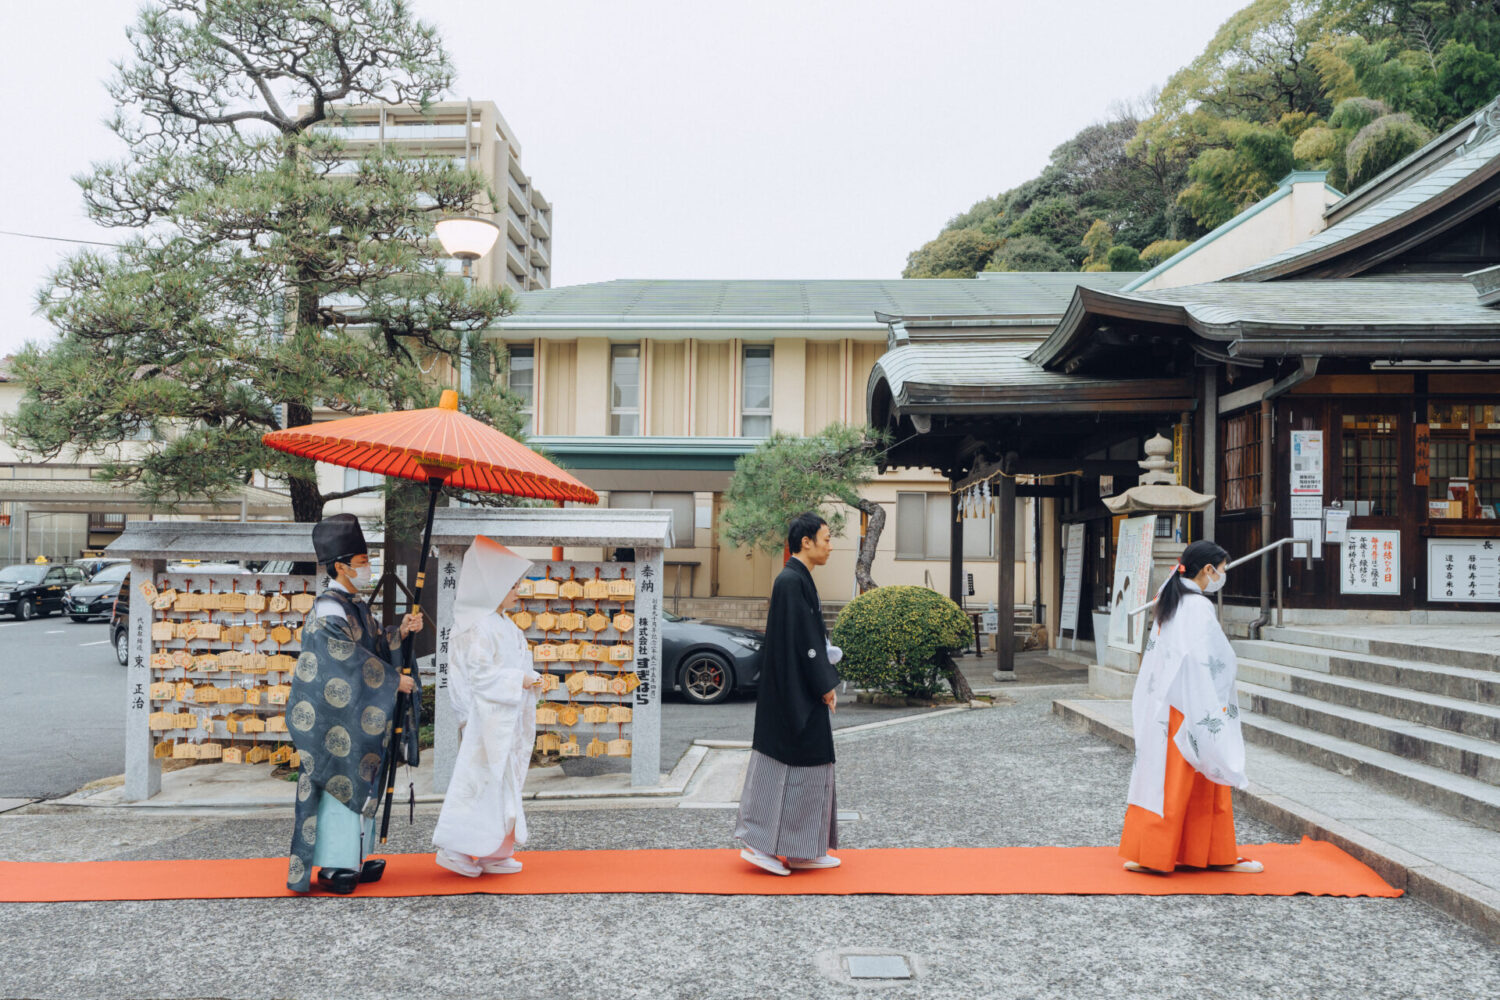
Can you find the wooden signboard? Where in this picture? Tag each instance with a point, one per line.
(1424, 443)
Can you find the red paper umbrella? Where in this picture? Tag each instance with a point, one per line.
(440, 447)
(437, 443)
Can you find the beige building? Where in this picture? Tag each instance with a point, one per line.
(475, 135)
(649, 391)
(1282, 219)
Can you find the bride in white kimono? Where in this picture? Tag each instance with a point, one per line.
(494, 693)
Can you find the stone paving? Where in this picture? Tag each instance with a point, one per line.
(1009, 775)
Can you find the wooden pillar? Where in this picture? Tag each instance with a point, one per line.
(1005, 601)
(956, 588)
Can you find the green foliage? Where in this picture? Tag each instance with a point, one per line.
(1160, 251)
(891, 637)
(1283, 85)
(256, 274)
(787, 475)
(1096, 244)
(1027, 253)
(1123, 258)
(1226, 181)
(1383, 142)
(955, 253)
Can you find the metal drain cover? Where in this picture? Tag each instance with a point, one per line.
(878, 967)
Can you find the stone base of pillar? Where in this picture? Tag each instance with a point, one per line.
(1003, 675)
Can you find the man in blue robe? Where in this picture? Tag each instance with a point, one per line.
(341, 714)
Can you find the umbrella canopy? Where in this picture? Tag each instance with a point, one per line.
(435, 443)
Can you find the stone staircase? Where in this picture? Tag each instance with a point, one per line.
(1419, 720)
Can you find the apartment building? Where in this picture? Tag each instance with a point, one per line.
(649, 391)
(475, 135)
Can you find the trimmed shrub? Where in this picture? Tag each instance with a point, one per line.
(1161, 250)
(891, 636)
(1381, 144)
(1123, 258)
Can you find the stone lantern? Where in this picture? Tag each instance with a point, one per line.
(1158, 492)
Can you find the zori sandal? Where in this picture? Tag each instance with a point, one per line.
(1132, 866)
(1241, 865)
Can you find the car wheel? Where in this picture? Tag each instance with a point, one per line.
(122, 647)
(25, 611)
(706, 678)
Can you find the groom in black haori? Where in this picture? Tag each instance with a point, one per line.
(788, 808)
(341, 714)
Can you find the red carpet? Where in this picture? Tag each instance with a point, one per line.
(1312, 867)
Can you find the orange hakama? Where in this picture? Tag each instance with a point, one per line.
(1196, 827)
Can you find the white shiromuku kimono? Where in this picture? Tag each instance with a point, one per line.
(489, 682)
(1190, 666)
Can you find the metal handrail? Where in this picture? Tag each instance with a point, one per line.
(1277, 545)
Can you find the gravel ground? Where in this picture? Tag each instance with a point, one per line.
(1011, 775)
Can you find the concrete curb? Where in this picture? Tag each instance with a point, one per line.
(1456, 895)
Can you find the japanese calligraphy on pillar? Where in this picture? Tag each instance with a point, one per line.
(1371, 563)
(1463, 569)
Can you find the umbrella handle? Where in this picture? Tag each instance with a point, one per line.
(408, 660)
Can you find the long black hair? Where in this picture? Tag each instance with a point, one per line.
(1196, 556)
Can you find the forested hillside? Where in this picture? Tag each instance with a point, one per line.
(1346, 86)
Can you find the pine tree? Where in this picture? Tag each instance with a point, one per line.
(258, 272)
(788, 475)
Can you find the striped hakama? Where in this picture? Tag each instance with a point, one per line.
(788, 811)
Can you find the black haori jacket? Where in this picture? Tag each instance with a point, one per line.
(791, 721)
(340, 716)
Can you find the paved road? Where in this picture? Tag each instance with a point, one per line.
(64, 707)
(1012, 775)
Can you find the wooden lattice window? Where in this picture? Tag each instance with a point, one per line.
(1371, 464)
(1241, 461)
(1464, 459)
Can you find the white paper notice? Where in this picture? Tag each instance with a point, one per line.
(1307, 463)
(1307, 508)
(1313, 532)
(1371, 563)
(1335, 524)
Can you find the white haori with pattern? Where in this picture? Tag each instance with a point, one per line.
(1190, 666)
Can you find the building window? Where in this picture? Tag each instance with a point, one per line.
(520, 378)
(355, 479)
(755, 393)
(1241, 461)
(625, 389)
(680, 504)
(1370, 464)
(922, 529)
(1463, 475)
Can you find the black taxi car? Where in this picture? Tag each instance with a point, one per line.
(31, 589)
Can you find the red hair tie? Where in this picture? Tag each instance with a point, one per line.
(1180, 568)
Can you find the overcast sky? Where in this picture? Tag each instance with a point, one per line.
(703, 139)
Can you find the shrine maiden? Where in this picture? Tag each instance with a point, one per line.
(340, 715)
(1189, 752)
(788, 807)
(494, 692)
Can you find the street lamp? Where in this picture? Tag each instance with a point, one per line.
(468, 238)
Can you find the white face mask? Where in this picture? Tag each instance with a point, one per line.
(1216, 584)
(360, 577)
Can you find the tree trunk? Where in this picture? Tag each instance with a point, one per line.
(956, 679)
(868, 544)
(307, 500)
